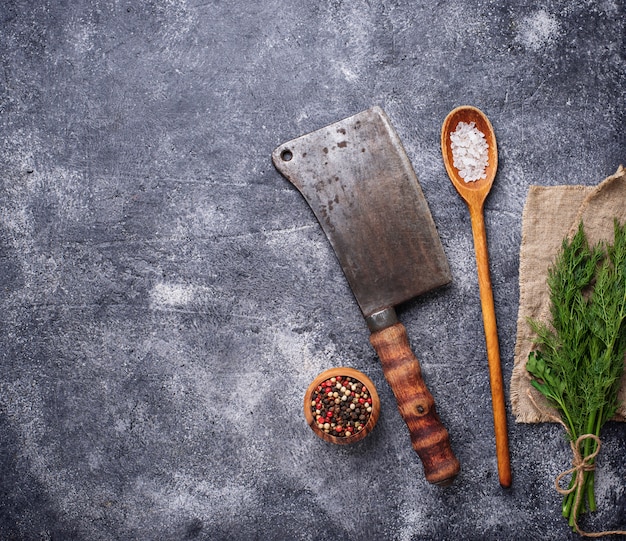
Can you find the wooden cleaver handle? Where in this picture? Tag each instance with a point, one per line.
(417, 406)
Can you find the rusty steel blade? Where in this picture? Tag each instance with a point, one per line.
(359, 182)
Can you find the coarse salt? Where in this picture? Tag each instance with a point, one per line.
(469, 151)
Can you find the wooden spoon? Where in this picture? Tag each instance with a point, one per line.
(474, 194)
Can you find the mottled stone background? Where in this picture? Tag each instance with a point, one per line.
(166, 295)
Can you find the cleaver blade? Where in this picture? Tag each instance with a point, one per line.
(359, 182)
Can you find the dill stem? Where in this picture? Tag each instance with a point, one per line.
(567, 502)
(588, 494)
(588, 448)
(586, 490)
(570, 423)
(591, 498)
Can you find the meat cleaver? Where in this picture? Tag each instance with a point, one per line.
(357, 179)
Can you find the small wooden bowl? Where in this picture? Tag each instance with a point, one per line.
(371, 390)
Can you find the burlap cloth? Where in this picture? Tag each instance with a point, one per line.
(550, 214)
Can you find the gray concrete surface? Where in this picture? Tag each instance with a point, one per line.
(167, 295)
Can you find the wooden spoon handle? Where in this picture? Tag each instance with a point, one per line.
(493, 349)
(417, 406)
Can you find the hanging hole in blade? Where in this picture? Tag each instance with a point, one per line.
(286, 155)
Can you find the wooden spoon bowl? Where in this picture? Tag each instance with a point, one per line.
(472, 192)
(371, 391)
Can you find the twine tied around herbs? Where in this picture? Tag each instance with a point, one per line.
(580, 465)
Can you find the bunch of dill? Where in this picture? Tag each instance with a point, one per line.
(579, 359)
